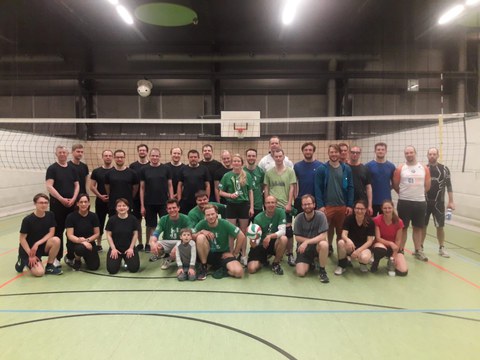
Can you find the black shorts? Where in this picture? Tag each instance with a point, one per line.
(377, 209)
(237, 210)
(259, 253)
(153, 212)
(437, 210)
(136, 208)
(24, 256)
(215, 260)
(413, 211)
(308, 255)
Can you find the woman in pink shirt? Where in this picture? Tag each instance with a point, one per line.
(388, 237)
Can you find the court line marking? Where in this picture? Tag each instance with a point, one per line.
(11, 280)
(223, 293)
(209, 322)
(8, 251)
(448, 271)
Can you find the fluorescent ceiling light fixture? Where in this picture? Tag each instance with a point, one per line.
(451, 14)
(289, 11)
(124, 14)
(113, 2)
(472, 2)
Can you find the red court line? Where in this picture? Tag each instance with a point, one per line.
(8, 252)
(449, 272)
(11, 280)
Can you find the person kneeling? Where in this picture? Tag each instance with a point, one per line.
(122, 235)
(186, 256)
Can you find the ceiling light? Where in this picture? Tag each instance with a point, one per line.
(472, 2)
(113, 2)
(289, 11)
(451, 14)
(124, 14)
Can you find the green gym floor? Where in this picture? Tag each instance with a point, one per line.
(433, 313)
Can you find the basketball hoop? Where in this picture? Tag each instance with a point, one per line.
(240, 132)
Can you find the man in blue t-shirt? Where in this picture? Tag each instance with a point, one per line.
(305, 172)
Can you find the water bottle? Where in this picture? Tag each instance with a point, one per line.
(448, 215)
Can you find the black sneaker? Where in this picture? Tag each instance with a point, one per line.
(77, 264)
(139, 247)
(52, 270)
(374, 267)
(220, 273)
(202, 272)
(277, 269)
(147, 248)
(324, 277)
(19, 265)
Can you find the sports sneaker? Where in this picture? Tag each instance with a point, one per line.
(50, 269)
(182, 277)
(323, 276)
(19, 265)
(77, 264)
(290, 260)
(192, 277)
(443, 252)
(244, 261)
(139, 247)
(391, 267)
(57, 263)
(99, 248)
(166, 264)
(339, 270)
(277, 269)
(154, 258)
(202, 272)
(69, 262)
(419, 255)
(220, 273)
(147, 248)
(374, 267)
(349, 261)
(363, 268)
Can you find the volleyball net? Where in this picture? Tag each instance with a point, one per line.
(29, 144)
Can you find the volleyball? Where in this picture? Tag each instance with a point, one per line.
(254, 233)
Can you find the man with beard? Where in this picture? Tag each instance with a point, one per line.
(258, 176)
(212, 165)
(305, 172)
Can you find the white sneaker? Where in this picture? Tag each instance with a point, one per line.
(166, 263)
(363, 268)
(57, 263)
(339, 270)
(419, 255)
(244, 260)
(443, 252)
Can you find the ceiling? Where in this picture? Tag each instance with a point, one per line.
(231, 44)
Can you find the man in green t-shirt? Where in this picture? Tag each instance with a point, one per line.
(211, 236)
(169, 226)
(281, 182)
(258, 176)
(273, 241)
(196, 214)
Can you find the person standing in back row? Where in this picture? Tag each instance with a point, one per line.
(441, 181)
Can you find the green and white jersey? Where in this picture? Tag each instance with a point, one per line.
(257, 186)
(196, 215)
(230, 183)
(171, 228)
(222, 231)
(270, 225)
(279, 184)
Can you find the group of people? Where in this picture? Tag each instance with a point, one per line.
(197, 214)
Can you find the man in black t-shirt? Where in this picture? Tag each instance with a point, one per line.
(37, 239)
(217, 177)
(142, 150)
(212, 165)
(80, 167)
(97, 186)
(192, 178)
(63, 186)
(155, 189)
(175, 165)
(120, 182)
(362, 183)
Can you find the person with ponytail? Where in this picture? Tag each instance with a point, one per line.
(237, 187)
(388, 237)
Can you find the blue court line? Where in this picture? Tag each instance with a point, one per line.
(239, 312)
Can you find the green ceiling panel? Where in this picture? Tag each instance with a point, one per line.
(165, 14)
